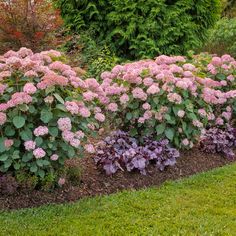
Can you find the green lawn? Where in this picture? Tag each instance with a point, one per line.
(201, 205)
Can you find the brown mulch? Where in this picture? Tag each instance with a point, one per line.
(95, 182)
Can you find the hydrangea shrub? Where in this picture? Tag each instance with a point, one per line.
(45, 112)
(171, 97)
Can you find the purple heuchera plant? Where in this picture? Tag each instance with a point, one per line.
(218, 140)
(120, 151)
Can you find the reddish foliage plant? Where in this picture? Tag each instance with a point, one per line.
(29, 23)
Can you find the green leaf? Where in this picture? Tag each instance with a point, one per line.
(27, 157)
(39, 162)
(133, 132)
(156, 100)
(19, 121)
(39, 141)
(192, 116)
(23, 107)
(61, 107)
(46, 162)
(2, 146)
(7, 163)
(41, 173)
(221, 76)
(16, 155)
(167, 117)
(50, 89)
(17, 166)
(170, 133)
(32, 109)
(160, 128)
(26, 135)
(46, 116)
(129, 116)
(9, 131)
(53, 131)
(33, 168)
(3, 157)
(59, 98)
(71, 152)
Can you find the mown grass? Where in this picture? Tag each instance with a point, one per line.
(204, 204)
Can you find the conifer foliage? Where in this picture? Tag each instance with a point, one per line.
(141, 28)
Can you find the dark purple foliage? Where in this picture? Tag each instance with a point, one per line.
(8, 184)
(120, 151)
(217, 140)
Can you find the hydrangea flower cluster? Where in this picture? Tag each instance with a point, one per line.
(46, 111)
(120, 151)
(171, 97)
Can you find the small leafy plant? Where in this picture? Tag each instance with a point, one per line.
(219, 140)
(120, 151)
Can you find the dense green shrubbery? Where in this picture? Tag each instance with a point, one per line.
(222, 37)
(137, 28)
(229, 8)
(86, 53)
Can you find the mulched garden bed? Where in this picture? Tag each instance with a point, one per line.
(95, 182)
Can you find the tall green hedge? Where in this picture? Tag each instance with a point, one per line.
(143, 28)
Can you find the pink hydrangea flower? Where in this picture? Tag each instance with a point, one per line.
(68, 135)
(91, 126)
(100, 117)
(49, 99)
(54, 157)
(181, 113)
(185, 142)
(84, 112)
(139, 93)
(4, 106)
(2, 88)
(202, 112)
(89, 148)
(30, 145)
(19, 98)
(8, 143)
(80, 134)
(75, 143)
(197, 123)
(124, 99)
(72, 107)
(39, 153)
(97, 110)
(3, 118)
(146, 106)
(112, 107)
(148, 81)
(153, 89)
(175, 98)
(41, 131)
(31, 74)
(141, 120)
(64, 124)
(61, 182)
(147, 115)
(230, 78)
(29, 88)
(227, 115)
(219, 121)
